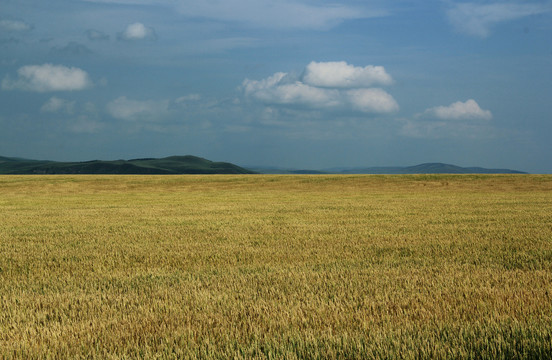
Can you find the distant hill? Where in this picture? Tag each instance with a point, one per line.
(428, 168)
(278, 170)
(169, 165)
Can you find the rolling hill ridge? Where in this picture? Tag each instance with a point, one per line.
(169, 165)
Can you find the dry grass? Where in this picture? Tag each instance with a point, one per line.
(276, 266)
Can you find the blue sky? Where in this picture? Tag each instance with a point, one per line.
(293, 83)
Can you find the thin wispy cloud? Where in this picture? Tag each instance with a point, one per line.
(271, 14)
(56, 104)
(287, 14)
(477, 19)
(14, 25)
(423, 129)
(96, 35)
(72, 49)
(138, 110)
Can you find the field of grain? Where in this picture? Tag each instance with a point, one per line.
(259, 266)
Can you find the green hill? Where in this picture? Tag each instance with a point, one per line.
(170, 165)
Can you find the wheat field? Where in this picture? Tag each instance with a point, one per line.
(276, 266)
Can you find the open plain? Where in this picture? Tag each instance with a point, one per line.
(274, 266)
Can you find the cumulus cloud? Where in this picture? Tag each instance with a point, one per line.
(342, 75)
(48, 77)
(55, 104)
(320, 89)
(280, 89)
(138, 31)
(14, 25)
(477, 19)
(128, 109)
(468, 110)
(372, 100)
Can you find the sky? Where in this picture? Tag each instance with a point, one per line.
(289, 83)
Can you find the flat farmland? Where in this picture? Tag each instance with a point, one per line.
(276, 266)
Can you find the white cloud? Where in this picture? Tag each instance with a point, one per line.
(253, 87)
(319, 91)
(457, 120)
(468, 110)
(277, 90)
(55, 104)
(372, 100)
(148, 110)
(14, 25)
(138, 31)
(477, 19)
(342, 75)
(48, 77)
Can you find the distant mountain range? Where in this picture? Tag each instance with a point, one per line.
(427, 168)
(169, 165)
(195, 165)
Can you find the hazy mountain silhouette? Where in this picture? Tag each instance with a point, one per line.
(427, 168)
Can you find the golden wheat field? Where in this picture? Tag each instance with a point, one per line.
(268, 266)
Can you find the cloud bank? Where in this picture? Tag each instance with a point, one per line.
(324, 86)
(48, 77)
(477, 19)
